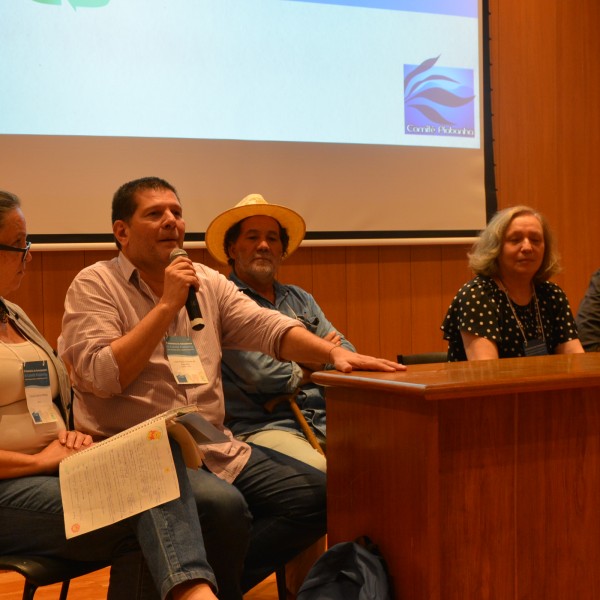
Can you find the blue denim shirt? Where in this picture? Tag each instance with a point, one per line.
(250, 379)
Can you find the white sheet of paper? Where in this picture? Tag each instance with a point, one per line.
(117, 478)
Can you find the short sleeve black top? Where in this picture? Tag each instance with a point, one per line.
(481, 308)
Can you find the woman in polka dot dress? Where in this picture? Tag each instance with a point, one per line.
(510, 308)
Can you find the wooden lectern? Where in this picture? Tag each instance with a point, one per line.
(477, 480)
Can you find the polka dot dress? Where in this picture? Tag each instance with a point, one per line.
(481, 308)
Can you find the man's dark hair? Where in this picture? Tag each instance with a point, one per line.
(233, 233)
(124, 203)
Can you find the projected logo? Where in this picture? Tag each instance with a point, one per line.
(438, 101)
(77, 3)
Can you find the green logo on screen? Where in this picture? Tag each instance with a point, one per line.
(77, 3)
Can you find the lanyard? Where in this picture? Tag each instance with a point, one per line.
(538, 316)
(19, 358)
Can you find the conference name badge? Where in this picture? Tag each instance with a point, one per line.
(184, 360)
(536, 347)
(38, 393)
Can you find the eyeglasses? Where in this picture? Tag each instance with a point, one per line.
(25, 250)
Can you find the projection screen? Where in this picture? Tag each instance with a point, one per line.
(369, 117)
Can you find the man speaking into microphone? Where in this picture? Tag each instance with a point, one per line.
(125, 321)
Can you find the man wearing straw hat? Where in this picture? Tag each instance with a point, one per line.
(270, 402)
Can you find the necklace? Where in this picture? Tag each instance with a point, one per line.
(536, 346)
(537, 315)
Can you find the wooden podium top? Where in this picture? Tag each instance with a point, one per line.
(440, 381)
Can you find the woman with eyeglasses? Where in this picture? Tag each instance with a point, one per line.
(34, 438)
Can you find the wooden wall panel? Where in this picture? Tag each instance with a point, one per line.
(204, 257)
(427, 306)
(59, 270)
(30, 295)
(395, 289)
(546, 124)
(330, 286)
(297, 269)
(93, 256)
(578, 144)
(363, 295)
(455, 272)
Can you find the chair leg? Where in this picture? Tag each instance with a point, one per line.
(29, 590)
(281, 584)
(64, 590)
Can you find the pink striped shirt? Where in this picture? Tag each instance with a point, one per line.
(108, 299)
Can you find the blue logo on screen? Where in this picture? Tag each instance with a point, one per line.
(438, 100)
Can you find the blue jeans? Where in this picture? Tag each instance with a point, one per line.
(32, 522)
(275, 508)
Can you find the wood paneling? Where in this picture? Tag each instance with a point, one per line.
(59, 270)
(329, 275)
(363, 283)
(395, 304)
(545, 58)
(30, 295)
(546, 123)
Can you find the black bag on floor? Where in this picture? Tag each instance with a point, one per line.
(348, 571)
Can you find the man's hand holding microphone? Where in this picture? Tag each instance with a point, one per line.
(191, 304)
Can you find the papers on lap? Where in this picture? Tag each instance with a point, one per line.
(131, 471)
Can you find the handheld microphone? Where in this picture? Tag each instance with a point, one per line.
(191, 304)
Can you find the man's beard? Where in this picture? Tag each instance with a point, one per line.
(263, 270)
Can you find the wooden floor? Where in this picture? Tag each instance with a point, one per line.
(95, 585)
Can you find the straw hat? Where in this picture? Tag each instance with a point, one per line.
(252, 206)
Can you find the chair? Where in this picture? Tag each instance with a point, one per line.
(304, 426)
(40, 571)
(422, 358)
(310, 436)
